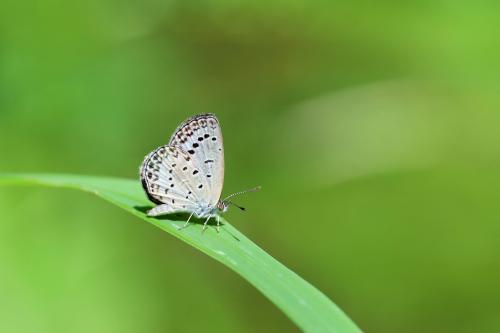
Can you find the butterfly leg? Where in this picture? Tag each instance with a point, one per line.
(187, 222)
(218, 222)
(205, 224)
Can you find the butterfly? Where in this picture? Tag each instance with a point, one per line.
(187, 174)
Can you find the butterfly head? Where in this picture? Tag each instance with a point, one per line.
(223, 205)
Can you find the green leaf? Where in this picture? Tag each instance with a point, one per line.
(311, 310)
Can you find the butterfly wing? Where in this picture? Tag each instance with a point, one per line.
(169, 176)
(201, 138)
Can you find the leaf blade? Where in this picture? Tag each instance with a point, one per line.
(305, 305)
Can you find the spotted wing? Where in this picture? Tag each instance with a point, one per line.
(169, 176)
(201, 137)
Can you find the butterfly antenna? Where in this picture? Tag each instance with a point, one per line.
(255, 189)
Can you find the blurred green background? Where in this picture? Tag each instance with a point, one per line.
(374, 129)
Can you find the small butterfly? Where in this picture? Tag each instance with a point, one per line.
(187, 174)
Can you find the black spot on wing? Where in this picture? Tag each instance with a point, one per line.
(149, 195)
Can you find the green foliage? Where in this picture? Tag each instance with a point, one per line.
(374, 130)
(305, 305)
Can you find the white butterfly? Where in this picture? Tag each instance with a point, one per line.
(187, 174)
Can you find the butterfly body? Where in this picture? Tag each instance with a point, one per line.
(187, 174)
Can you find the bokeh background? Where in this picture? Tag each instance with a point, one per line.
(374, 129)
